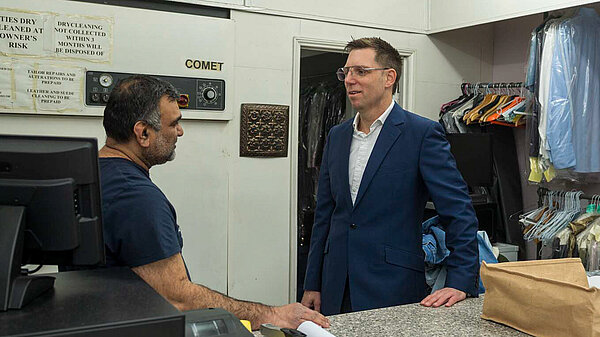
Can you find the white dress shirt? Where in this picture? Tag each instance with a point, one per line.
(544, 91)
(361, 147)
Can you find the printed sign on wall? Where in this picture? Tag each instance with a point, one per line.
(6, 96)
(54, 35)
(35, 86)
(22, 33)
(83, 37)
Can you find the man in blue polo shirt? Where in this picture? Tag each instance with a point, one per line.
(141, 120)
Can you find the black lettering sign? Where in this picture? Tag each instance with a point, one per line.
(204, 65)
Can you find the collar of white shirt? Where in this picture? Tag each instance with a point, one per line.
(381, 118)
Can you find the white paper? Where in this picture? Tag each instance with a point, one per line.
(48, 87)
(60, 36)
(311, 329)
(88, 38)
(21, 33)
(594, 281)
(6, 94)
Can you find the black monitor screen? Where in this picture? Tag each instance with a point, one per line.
(473, 154)
(50, 205)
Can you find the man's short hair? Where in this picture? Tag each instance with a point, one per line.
(135, 99)
(386, 55)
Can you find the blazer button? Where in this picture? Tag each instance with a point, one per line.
(353, 226)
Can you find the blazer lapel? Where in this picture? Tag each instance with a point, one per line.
(392, 129)
(344, 157)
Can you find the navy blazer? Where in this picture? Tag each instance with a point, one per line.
(377, 241)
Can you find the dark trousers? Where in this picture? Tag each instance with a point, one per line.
(346, 304)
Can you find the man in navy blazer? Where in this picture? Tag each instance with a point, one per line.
(377, 173)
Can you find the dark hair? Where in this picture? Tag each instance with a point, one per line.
(135, 99)
(386, 55)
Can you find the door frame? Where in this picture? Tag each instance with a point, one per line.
(300, 43)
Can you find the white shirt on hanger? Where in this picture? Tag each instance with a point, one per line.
(360, 149)
(545, 69)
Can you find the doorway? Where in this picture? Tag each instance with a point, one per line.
(320, 103)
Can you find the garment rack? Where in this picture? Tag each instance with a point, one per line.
(492, 85)
(542, 191)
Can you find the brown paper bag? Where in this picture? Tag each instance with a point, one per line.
(542, 298)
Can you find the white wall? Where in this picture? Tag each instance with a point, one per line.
(453, 14)
(400, 15)
(235, 213)
(511, 47)
(197, 182)
(405, 15)
(261, 189)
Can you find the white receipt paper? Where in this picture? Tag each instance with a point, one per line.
(594, 281)
(311, 329)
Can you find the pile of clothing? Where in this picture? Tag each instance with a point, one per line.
(436, 252)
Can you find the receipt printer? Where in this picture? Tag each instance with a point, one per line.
(269, 330)
(213, 322)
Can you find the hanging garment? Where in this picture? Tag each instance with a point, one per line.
(448, 110)
(532, 84)
(545, 70)
(582, 53)
(315, 124)
(558, 109)
(460, 113)
(577, 226)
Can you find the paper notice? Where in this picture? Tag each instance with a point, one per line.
(47, 87)
(83, 37)
(6, 97)
(311, 329)
(24, 33)
(21, 33)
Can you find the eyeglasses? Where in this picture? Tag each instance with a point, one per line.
(359, 71)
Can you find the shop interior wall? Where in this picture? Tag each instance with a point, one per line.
(197, 181)
(454, 14)
(511, 48)
(235, 212)
(260, 196)
(404, 15)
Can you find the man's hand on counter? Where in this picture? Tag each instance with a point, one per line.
(292, 315)
(447, 296)
(312, 299)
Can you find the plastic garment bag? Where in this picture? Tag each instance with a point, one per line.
(585, 30)
(559, 114)
(573, 101)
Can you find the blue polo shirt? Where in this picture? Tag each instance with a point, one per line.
(140, 224)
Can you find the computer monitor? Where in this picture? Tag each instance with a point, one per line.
(50, 211)
(473, 155)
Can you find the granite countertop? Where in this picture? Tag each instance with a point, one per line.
(463, 319)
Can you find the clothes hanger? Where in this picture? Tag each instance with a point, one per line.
(489, 97)
(555, 216)
(512, 104)
(496, 99)
(507, 101)
(556, 202)
(533, 216)
(544, 216)
(571, 211)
